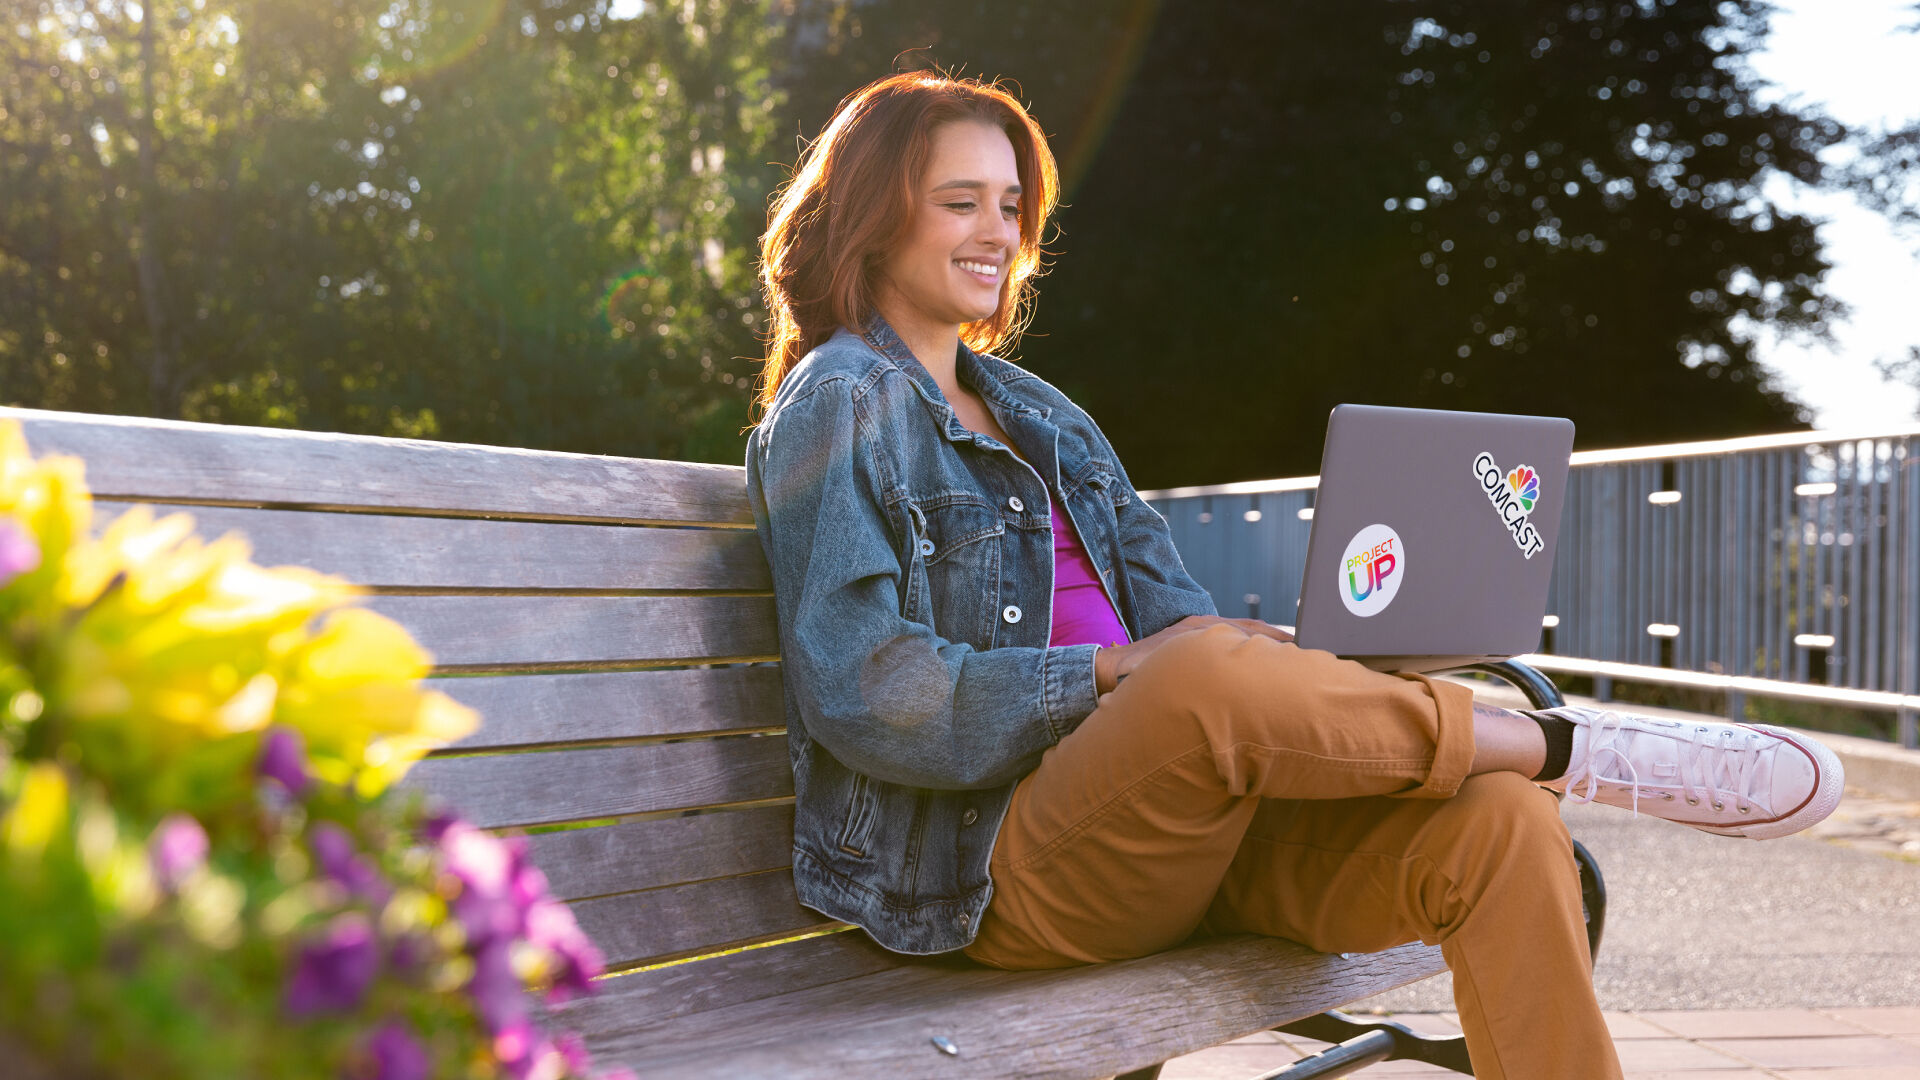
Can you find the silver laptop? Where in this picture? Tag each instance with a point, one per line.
(1433, 536)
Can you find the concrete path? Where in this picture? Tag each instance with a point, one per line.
(1796, 957)
(1734, 1044)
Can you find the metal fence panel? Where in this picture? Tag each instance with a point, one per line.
(1791, 558)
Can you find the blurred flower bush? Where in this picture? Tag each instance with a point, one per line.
(204, 870)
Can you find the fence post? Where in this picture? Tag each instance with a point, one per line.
(1908, 730)
(1736, 706)
(1603, 687)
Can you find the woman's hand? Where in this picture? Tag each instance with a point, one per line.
(1110, 665)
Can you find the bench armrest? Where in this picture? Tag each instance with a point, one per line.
(1538, 688)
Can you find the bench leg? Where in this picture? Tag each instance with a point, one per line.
(1359, 1043)
(1151, 1072)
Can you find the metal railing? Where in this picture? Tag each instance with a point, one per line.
(1780, 565)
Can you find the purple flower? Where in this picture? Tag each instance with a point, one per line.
(573, 1051)
(283, 757)
(521, 1050)
(550, 926)
(486, 867)
(496, 991)
(176, 849)
(334, 971)
(333, 848)
(397, 1055)
(18, 552)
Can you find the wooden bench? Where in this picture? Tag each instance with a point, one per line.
(612, 620)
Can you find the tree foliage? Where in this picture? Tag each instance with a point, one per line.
(509, 221)
(532, 222)
(1515, 206)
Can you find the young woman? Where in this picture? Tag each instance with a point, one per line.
(1019, 728)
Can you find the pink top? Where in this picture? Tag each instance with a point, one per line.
(1082, 614)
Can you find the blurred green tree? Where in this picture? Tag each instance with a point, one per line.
(1512, 205)
(524, 222)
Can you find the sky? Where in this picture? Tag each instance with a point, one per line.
(1852, 59)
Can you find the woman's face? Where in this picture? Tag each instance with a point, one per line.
(952, 266)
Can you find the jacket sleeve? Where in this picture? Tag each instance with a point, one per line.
(1162, 590)
(885, 695)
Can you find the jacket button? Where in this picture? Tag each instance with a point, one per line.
(926, 547)
(1011, 613)
(1013, 502)
(970, 816)
(964, 921)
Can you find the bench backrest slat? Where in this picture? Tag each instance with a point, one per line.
(506, 633)
(397, 552)
(609, 706)
(687, 919)
(646, 729)
(171, 461)
(583, 863)
(498, 791)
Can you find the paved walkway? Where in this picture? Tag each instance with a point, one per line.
(1725, 959)
(1734, 1044)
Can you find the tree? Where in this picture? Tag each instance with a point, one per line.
(1516, 206)
(514, 221)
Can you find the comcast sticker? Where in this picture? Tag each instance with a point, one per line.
(1371, 570)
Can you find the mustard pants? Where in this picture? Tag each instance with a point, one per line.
(1235, 784)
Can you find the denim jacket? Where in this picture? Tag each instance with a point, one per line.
(913, 578)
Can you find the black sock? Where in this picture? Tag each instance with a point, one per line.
(1559, 735)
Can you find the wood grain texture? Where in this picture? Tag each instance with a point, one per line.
(666, 993)
(501, 790)
(534, 710)
(1077, 1022)
(389, 551)
(170, 460)
(636, 927)
(636, 855)
(507, 631)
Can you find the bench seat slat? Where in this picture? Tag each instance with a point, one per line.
(636, 927)
(173, 460)
(384, 550)
(502, 790)
(1075, 1022)
(506, 631)
(523, 710)
(669, 851)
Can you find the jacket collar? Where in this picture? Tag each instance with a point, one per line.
(1028, 425)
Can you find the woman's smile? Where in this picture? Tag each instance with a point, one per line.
(950, 268)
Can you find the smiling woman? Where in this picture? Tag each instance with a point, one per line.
(855, 204)
(963, 575)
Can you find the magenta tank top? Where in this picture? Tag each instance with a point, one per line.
(1082, 615)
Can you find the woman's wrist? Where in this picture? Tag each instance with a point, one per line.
(1105, 673)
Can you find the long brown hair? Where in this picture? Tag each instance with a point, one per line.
(852, 198)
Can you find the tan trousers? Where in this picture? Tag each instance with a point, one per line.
(1233, 783)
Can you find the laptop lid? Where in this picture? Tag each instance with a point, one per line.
(1433, 535)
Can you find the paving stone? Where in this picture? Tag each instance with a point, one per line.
(1746, 1023)
(1853, 1051)
(1654, 1055)
(1885, 1020)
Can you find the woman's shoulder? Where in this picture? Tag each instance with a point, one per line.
(845, 357)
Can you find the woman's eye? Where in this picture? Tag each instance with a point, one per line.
(962, 207)
(1011, 211)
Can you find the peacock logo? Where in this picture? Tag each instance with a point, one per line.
(1525, 485)
(1513, 496)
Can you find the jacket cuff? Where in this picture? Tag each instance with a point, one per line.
(1067, 675)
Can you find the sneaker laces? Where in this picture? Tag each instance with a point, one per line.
(1710, 764)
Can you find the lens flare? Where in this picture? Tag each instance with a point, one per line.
(416, 38)
(621, 306)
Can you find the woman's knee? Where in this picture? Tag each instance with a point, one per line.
(1500, 824)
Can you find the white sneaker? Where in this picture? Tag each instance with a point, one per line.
(1749, 780)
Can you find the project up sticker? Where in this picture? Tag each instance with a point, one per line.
(1371, 570)
(1513, 495)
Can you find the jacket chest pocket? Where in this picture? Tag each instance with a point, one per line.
(954, 580)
